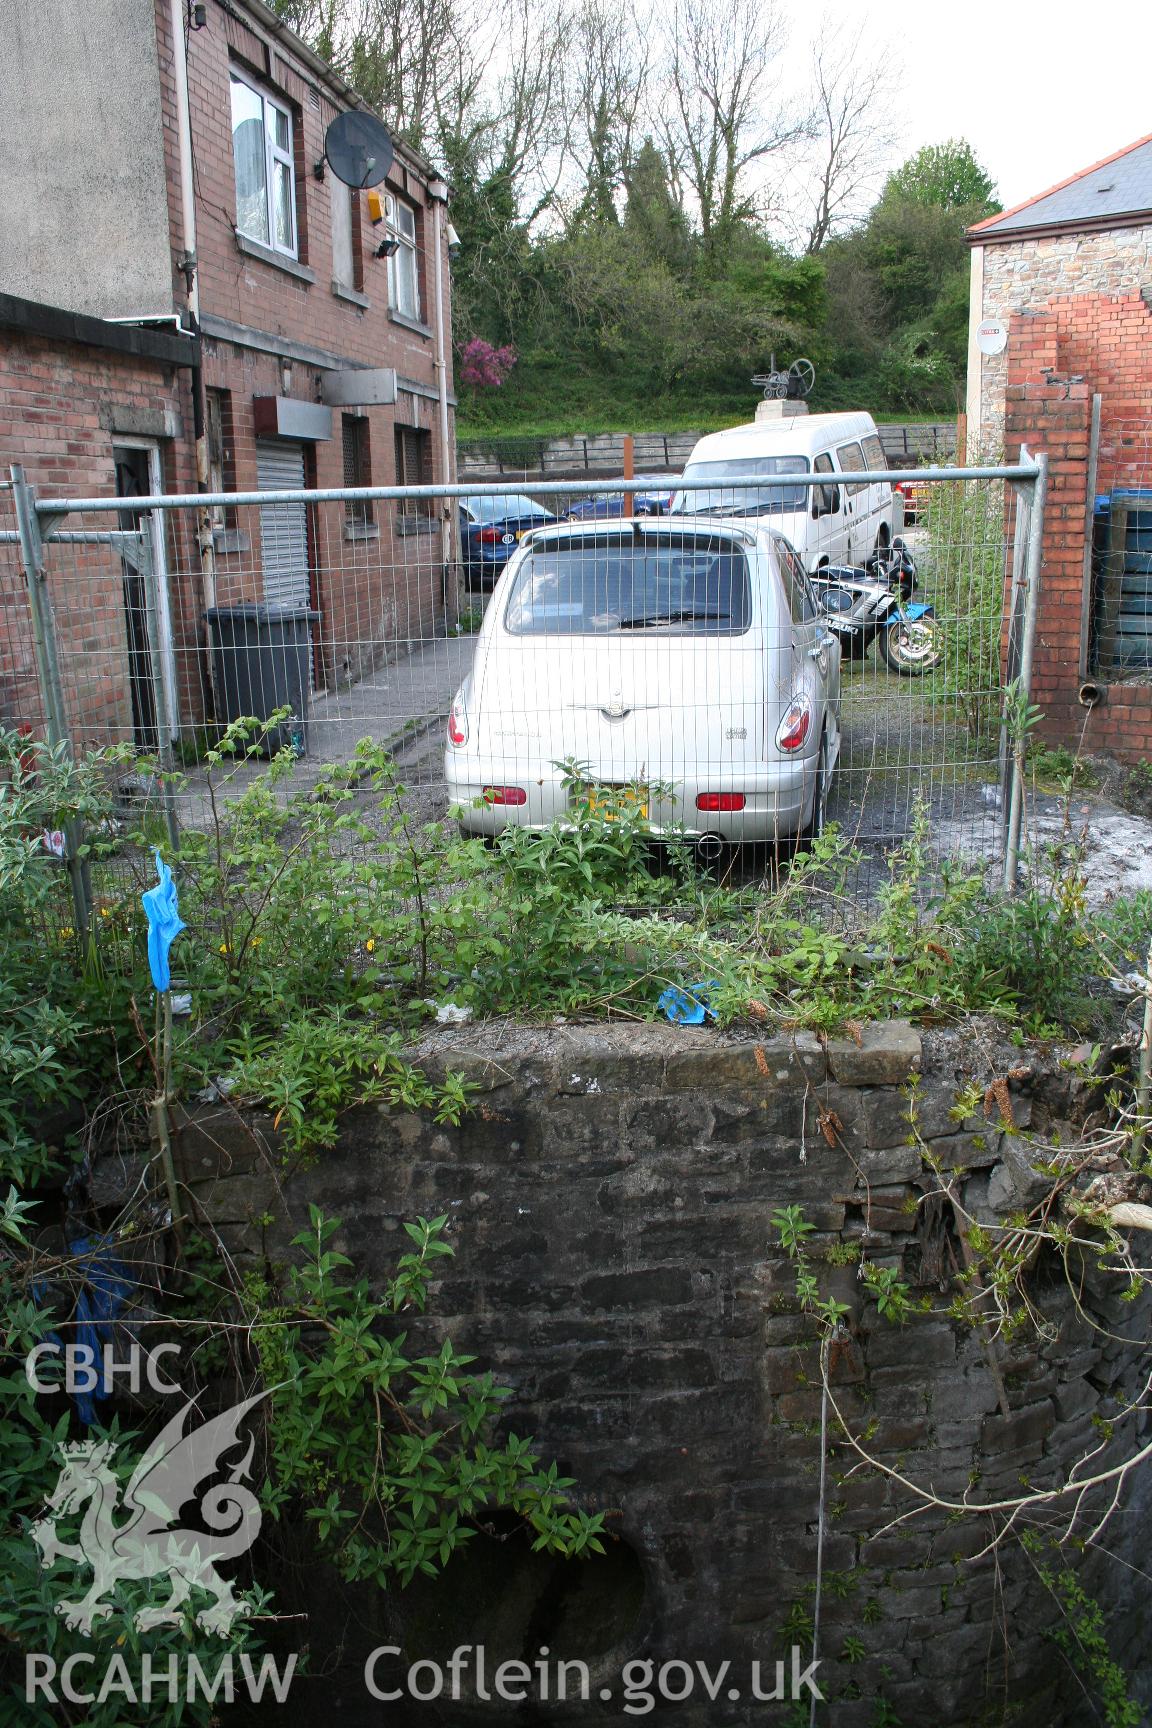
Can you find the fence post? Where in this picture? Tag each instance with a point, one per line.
(1024, 676)
(48, 674)
(147, 567)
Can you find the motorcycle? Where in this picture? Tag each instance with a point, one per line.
(873, 603)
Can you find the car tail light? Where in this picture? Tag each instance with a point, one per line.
(720, 800)
(457, 724)
(490, 536)
(795, 726)
(504, 795)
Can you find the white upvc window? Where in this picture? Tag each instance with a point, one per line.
(265, 169)
(403, 276)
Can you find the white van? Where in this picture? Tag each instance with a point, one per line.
(842, 522)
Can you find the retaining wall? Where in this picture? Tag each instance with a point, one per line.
(611, 1200)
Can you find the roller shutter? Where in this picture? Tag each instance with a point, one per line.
(283, 527)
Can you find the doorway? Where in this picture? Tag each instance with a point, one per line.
(138, 475)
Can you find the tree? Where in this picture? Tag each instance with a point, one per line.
(722, 112)
(607, 81)
(947, 176)
(652, 215)
(853, 130)
(391, 51)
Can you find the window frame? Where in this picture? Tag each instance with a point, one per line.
(220, 434)
(851, 487)
(830, 492)
(880, 461)
(275, 155)
(408, 248)
(356, 441)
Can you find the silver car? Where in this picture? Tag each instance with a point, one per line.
(687, 662)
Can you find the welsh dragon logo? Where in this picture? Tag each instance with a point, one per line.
(149, 1542)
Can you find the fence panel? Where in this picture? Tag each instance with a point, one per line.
(642, 656)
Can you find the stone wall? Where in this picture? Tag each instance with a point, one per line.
(611, 1201)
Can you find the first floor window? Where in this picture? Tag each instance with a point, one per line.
(403, 276)
(265, 167)
(357, 467)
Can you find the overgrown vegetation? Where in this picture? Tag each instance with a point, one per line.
(324, 928)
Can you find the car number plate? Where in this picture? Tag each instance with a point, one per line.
(606, 800)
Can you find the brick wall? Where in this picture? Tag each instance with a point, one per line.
(377, 592)
(62, 409)
(1060, 353)
(1023, 276)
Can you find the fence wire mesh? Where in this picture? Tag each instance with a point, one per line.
(690, 656)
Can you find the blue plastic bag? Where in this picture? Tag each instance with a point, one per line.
(690, 1006)
(164, 924)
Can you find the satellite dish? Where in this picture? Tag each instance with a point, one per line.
(358, 148)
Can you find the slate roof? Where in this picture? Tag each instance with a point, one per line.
(1115, 192)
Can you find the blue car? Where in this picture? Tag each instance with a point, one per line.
(651, 496)
(490, 530)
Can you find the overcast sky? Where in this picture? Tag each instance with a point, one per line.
(1040, 91)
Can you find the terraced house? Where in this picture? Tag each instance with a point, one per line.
(184, 280)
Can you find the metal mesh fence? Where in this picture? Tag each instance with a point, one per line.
(739, 660)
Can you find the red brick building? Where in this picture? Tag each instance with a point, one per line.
(1062, 286)
(176, 256)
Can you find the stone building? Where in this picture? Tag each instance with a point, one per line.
(1060, 359)
(177, 257)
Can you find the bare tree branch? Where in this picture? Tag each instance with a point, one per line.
(724, 111)
(853, 131)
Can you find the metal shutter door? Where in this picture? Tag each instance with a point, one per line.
(283, 527)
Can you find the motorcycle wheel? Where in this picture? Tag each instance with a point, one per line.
(910, 648)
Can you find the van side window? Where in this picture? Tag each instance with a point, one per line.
(801, 600)
(828, 496)
(851, 460)
(874, 452)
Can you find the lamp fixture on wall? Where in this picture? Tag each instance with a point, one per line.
(388, 248)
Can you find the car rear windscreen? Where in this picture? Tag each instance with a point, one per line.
(706, 494)
(694, 585)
